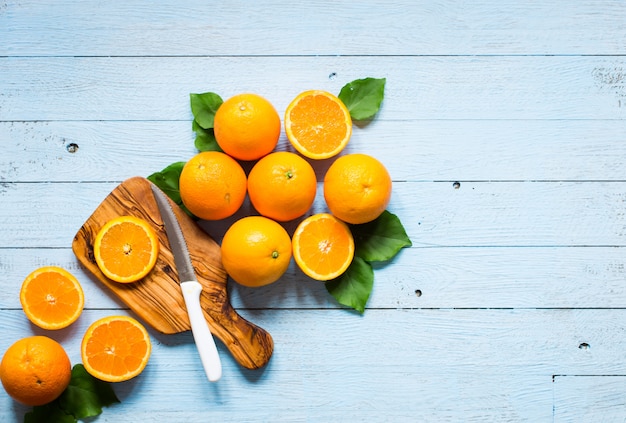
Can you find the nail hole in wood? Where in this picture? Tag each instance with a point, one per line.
(72, 147)
(456, 185)
(584, 346)
(418, 292)
(332, 75)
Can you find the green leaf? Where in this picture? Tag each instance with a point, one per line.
(203, 108)
(84, 397)
(353, 288)
(381, 239)
(362, 97)
(205, 138)
(48, 413)
(168, 180)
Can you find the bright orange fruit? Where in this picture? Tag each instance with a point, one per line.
(323, 246)
(126, 249)
(212, 185)
(256, 251)
(115, 348)
(35, 370)
(246, 127)
(282, 186)
(318, 124)
(357, 188)
(52, 297)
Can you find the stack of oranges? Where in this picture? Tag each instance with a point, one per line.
(282, 187)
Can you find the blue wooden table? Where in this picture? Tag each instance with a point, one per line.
(503, 127)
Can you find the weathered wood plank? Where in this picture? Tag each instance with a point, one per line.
(439, 150)
(520, 267)
(418, 88)
(589, 398)
(445, 365)
(435, 214)
(399, 27)
(445, 277)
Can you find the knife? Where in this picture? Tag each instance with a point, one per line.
(190, 287)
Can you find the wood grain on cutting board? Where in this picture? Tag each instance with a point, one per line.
(157, 299)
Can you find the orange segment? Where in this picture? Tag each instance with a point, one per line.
(115, 348)
(126, 249)
(52, 298)
(318, 124)
(323, 246)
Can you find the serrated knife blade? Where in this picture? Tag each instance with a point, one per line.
(190, 287)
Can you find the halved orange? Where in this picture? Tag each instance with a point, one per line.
(126, 249)
(52, 297)
(115, 348)
(318, 124)
(323, 246)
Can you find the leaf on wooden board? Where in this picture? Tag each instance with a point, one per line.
(380, 239)
(168, 180)
(353, 288)
(203, 108)
(363, 97)
(84, 397)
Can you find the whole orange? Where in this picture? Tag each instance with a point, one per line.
(212, 185)
(282, 186)
(256, 251)
(357, 188)
(247, 127)
(35, 370)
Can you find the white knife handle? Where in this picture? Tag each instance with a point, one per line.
(201, 333)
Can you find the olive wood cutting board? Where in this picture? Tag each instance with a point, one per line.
(157, 298)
